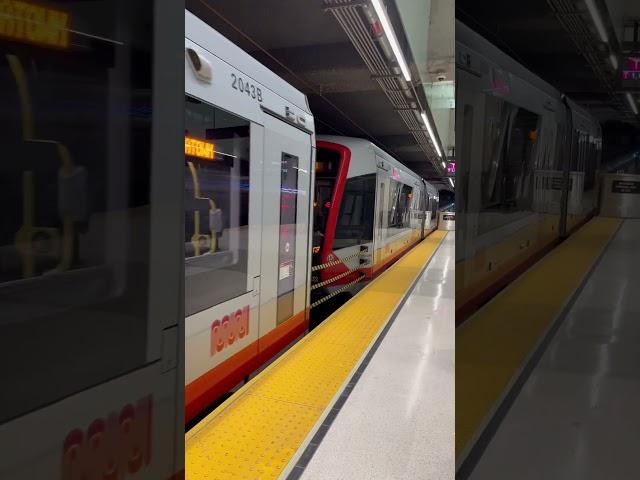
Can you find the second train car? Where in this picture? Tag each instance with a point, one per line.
(368, 210)
(252, 223)
(527, 174)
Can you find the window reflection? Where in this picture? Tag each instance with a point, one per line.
(216, 205)
(355, 220)
(399, 214)
(75, 103)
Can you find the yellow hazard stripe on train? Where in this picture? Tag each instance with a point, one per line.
(256, 432)
(493, 345)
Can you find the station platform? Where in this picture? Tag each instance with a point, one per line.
(367, 394)
(546, 373)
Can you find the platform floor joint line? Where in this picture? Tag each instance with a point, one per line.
(259, 430)
(494, 345)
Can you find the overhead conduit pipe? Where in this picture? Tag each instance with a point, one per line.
(365, 30)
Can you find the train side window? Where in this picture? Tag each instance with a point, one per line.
(287, 237)
(381, 211)
(511, 144)
(591, 164)
(559, 152)
(466, 153)
(523, 140)
(400, 212)
(394, 190)
(216, 205)
(356, 216)
(497, 114)
(434, 205)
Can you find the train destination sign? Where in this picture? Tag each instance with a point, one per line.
(451, 168)
(625, 186)
(198, 148)
(25, 22)
(631, 70)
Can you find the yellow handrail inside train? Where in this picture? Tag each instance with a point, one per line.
(196, 216)
(25, 233)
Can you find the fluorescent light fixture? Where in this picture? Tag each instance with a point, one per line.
(632, 103)
(614, 61)
(597, 19)
(391, 36)
(444, 165)
(451, 181)
(430, 130)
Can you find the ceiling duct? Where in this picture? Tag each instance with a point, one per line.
(362, 25)
(576, 24)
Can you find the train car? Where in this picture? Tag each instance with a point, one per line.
(90, 265)
(369, 209)
(528, 160)
(248, 176)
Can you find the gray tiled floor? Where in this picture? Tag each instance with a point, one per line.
(578, 415)
(398, 423)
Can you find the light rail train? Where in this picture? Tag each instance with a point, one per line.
(261, 211)
(90, 249)
(527, 170)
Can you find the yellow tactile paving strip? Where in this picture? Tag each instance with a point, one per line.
(493, 345)
(255, 433)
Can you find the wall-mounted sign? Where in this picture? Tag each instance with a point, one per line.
(625, 186)
(631, 67)
(558, 182)
(198, 148)
(500, 82)
(631, 71)
(25, 22)
(451, 168)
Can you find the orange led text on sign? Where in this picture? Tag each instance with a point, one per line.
(25, 22)
(198, 148)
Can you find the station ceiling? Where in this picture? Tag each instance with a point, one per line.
(306, 46)
(535, 33)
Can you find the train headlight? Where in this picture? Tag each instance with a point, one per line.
(200, 66)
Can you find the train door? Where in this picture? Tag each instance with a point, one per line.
(222, 184)
(424, 208)
(285, 235)
(417, 212)
(469, 116)
(382, 207)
